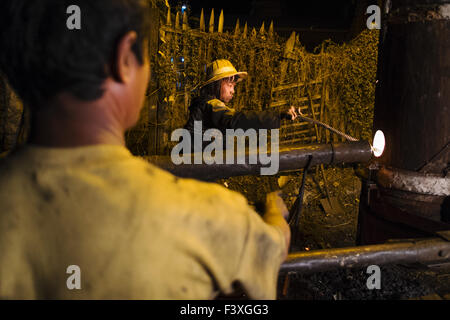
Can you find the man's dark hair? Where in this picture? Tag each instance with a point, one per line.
(211, 90)
(41, 57)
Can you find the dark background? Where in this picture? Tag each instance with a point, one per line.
(287, 13)
(314, 21)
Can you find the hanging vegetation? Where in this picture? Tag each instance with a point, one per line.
(335, 84)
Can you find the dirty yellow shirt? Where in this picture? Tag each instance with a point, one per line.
(134, 231)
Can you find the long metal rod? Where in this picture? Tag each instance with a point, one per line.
(326, 126)
(411, 251)
(289, 159)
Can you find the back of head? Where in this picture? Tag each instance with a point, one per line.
(42, 57)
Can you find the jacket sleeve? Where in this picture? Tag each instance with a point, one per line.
(224, 117)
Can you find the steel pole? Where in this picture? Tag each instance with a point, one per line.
(289, 159)
(426, 251)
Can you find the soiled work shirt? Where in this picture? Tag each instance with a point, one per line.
(135, 231)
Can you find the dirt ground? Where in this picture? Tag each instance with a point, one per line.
(321, 230)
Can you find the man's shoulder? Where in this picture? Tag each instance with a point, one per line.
(198, 102)
(208, 103)
(216, 103)
(219, 106)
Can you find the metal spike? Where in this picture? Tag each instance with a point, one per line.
(221, 20)
(253, 33)
(290, 43)
(202, 21)
(162, 33)
(211, 21)
(236, 29)
(288, 48)
(177, 21)
(244, 34)
(169, 18)
(271, 28)
(262, 30)
(185, 21)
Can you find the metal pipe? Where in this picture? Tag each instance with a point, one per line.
(293, 158)
(411, 181)
(412, 251)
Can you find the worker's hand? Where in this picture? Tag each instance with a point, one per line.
(275, 204)
(291, 114)
(276, 215)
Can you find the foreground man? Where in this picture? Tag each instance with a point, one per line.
(80, 217)
(210, 106)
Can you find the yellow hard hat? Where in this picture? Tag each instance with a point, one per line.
(221, 69)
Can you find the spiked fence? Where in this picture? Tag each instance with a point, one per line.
(281, 74)
(335, 84)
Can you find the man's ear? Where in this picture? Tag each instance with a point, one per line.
(124, 58)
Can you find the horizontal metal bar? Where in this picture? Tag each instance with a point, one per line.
(295, 85)
(292, 158)
(296, 124)
(423, 183)
(305, 99)
(305, 139)
(412, 251)
(297, 133)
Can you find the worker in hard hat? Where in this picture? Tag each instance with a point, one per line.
(218, 90)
